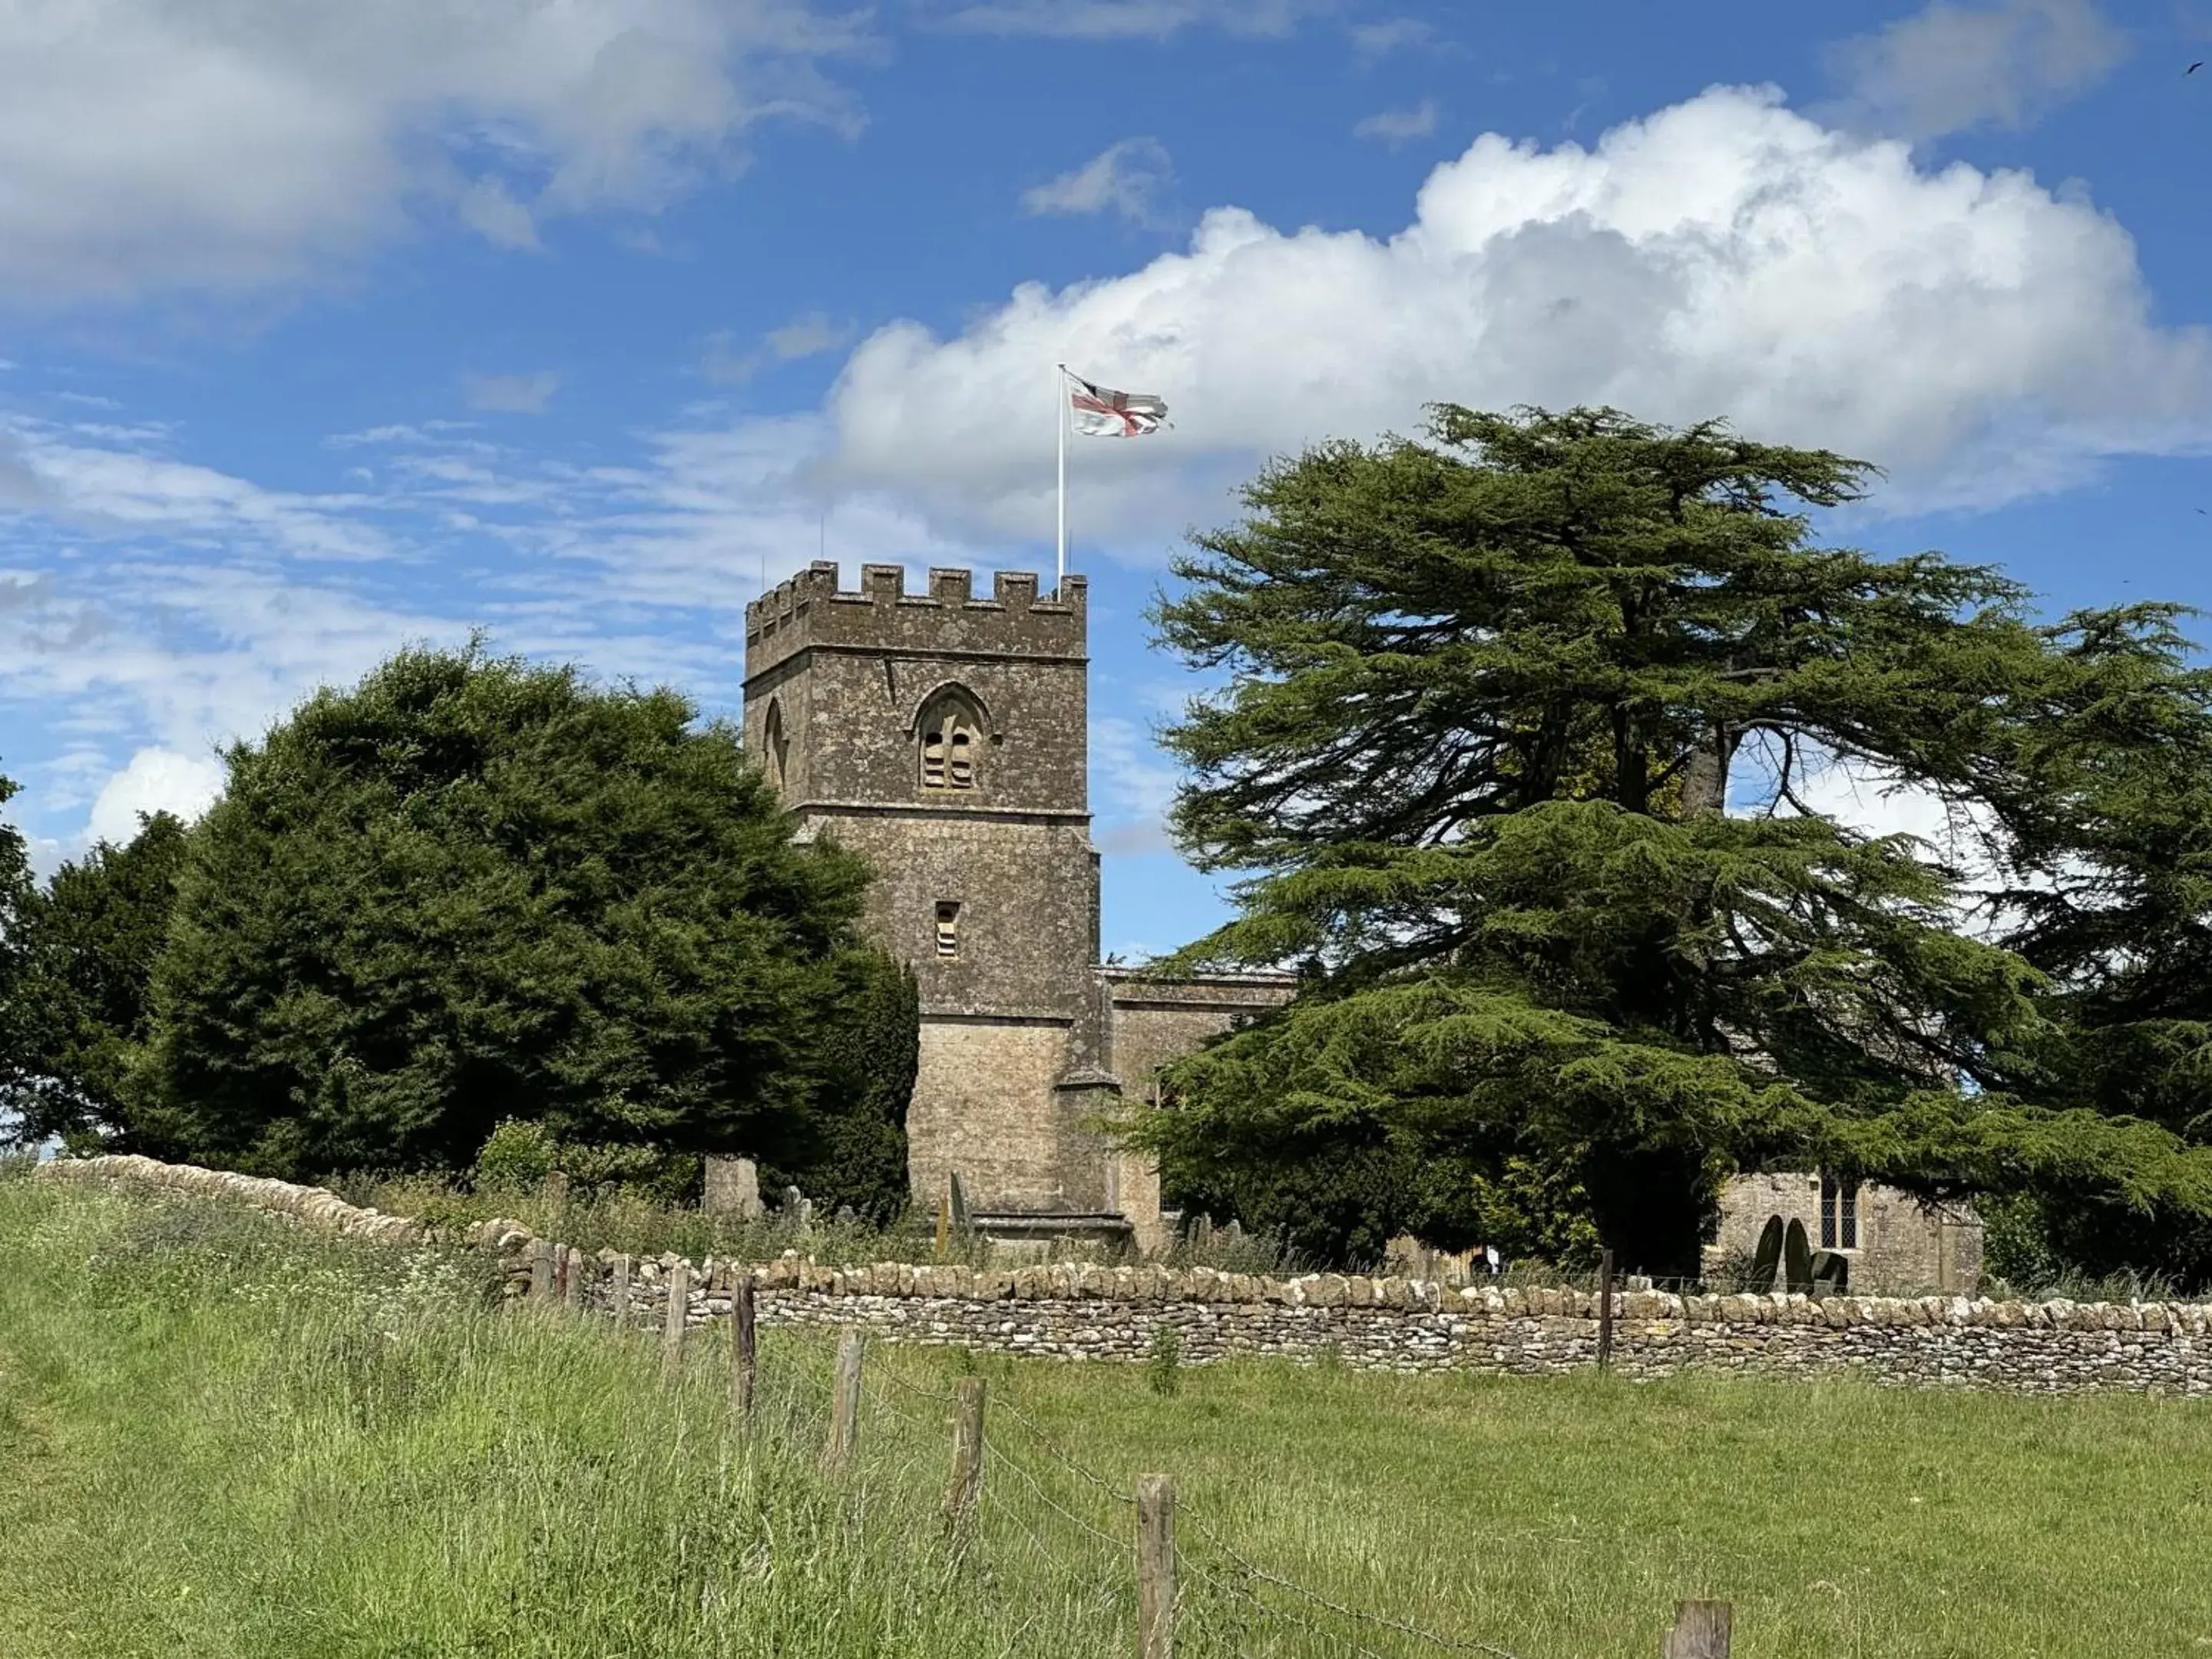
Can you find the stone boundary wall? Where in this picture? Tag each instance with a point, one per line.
(1071, 1311)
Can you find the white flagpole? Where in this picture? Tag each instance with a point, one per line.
(1059, 405)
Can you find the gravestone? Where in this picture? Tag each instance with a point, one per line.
(732, 1188)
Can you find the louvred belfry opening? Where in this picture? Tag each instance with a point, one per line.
(949, 742)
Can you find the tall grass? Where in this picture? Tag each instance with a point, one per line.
(629, 1218)
(221, 1436)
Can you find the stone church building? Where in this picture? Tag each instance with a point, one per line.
(945, 736)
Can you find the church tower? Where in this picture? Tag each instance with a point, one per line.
(943, 738)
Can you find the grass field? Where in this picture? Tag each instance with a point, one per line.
(219, 1436)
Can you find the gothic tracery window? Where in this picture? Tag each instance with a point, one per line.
(951, 743)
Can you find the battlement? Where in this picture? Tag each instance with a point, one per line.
(810, 610)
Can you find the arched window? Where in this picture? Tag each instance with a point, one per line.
(774, 745)
(951, 742)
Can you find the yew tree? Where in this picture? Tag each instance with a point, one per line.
(89, 939)
(1513, 753)
(15, 889)
(469, 890)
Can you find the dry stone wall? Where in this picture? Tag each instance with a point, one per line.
(1069, 1311)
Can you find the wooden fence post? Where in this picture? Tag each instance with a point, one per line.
(1604, 1310)
(572, 1291)
(1701, 1631)
(745, 1354)
(1156, 1566)
(845, 1403)
(541, 1270)
(618, 1290)
(679, 1316)
(967, 1483)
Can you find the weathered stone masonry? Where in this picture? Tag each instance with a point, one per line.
(945, 737)
(1069, 1311)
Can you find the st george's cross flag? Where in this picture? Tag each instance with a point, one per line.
(1101, 412)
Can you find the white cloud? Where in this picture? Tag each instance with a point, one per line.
(487, 208)
(1950, 67)
(511, 394)
(807, 335)
(107, 481)
(1380, 40)
(1133, 786)
(174, 144)
(1397, 126)
(1124, 178)
(1120, 20)
(1980, 335)
(156, 781)
(185, 656)
(153, 604)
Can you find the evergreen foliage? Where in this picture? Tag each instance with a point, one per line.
(1481, 699)
(469, 891)
(15, 894)
(865, 1055)
(89, 942)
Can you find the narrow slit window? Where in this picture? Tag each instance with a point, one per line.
(776, 743)
(1839, 1214)
(948, 928)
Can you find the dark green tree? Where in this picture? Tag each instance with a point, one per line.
(2109, 893)
(865, 1057)
(1481, 700)
(15, 893)
(470, 889)
(90, 939)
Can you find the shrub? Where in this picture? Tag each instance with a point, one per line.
(517, 1154)
(1164, 1363)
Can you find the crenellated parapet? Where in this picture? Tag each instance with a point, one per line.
(811, 611)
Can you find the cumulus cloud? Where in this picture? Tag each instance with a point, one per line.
(807, 335)
(171, 144)
(1980, 335)
(1950, 67)
(1124, 178)
(156, 781)
(511, 394)
(1395, 126)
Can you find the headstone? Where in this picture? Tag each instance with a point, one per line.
(956, 1202)
(798, 1209)
(732, 1188)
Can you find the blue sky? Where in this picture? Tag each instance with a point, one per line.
(328, 327)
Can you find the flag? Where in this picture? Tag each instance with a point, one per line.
(1101, 412)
